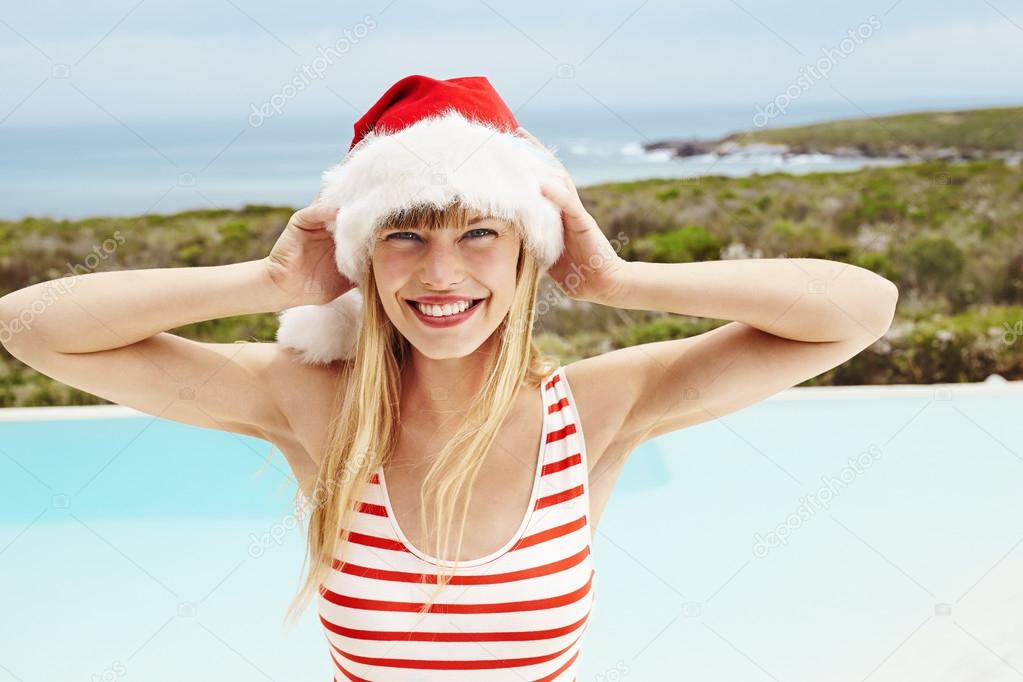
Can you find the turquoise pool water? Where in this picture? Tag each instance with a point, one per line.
(748, 548)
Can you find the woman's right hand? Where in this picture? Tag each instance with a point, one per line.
(302, 263)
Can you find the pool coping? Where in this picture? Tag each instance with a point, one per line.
(992, 387)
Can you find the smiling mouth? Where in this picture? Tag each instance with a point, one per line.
(474, 302)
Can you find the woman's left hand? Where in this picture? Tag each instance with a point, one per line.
(588, 269)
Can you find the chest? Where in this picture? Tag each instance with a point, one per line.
(501, 492)
(501, 496)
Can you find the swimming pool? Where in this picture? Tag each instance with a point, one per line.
(748, 548)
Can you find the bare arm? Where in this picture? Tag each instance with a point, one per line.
(794, 319)
(105, 332)
(802, 299)
(103, 310)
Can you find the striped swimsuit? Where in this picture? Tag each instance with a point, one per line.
(517, 614)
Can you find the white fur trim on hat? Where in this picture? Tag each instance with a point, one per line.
(434, 161)
(322, 333)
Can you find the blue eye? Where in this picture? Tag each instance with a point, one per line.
(416, 236)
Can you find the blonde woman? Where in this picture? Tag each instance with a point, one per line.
(452, 474)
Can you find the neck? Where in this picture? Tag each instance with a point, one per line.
(437, 392)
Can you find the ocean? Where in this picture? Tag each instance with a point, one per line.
(132, 168)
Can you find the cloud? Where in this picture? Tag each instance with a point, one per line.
(198, 60)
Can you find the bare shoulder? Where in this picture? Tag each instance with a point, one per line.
(305, 394)
(637, 393)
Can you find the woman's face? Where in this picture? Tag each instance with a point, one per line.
(476, 265)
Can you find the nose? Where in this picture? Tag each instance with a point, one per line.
(441, 266)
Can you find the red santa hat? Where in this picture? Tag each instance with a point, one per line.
(425, 142)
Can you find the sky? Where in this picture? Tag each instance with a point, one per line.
(157, 60)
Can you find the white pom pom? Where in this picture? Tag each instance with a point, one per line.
(323, 333)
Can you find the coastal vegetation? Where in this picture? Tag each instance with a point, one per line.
(973, 133)
(914, 136)
(948, 233)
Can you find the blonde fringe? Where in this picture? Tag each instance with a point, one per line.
(363, 434)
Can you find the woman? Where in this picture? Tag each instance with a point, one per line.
(431, 411)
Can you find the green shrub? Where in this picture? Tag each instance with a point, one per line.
(686, 244)
(878, 263)
(664, 329)
(934, 264)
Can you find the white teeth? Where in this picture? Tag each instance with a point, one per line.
(442, 310)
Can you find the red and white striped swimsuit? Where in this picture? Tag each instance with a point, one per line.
(517, 614)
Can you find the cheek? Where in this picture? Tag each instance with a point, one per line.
(500, 257)
(497, 270)
(390, 267)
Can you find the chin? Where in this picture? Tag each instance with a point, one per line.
(447, 351)
(443, 355)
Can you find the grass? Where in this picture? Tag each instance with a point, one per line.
(979, 131)
(949, 234)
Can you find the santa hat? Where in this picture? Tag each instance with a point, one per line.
(425, 142)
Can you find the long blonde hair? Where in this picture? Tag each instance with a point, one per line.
(363, 430)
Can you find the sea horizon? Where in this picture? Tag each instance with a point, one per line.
(128, 168)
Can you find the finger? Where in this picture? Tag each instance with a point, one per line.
(565, 200)
(314, 217)
(565, 179)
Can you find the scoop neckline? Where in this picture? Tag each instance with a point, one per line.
(534, 494)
